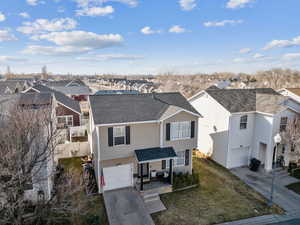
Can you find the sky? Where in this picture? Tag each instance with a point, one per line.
(149, 36)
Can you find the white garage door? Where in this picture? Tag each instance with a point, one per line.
(118, 177)
(239, 157)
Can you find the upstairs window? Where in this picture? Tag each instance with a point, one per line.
(65, 121)
(243, 122)
(180, 130)
(283, 124)
(119, 135)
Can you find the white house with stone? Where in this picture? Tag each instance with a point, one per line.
(240, 124)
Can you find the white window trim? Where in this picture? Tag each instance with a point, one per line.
(123, 127)
(244, 122)
(184, 138)
(67, 116)
(175, 162)
(283, 124)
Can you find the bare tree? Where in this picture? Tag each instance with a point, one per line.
(28, 139)
(291, 137)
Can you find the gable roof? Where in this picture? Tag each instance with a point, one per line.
(64, 83)
(264, 100)
(60, 97)
(107, 109)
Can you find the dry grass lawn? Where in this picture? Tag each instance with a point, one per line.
(220, 197)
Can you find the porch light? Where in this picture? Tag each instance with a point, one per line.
(277, 138)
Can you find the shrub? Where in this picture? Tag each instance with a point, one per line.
(292, 166)
(296, 173)
(181, 180)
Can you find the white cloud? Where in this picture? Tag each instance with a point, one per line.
(291, 56)
(73, 42)
(11, 59)
(258, 56)
(108, 57)
(177, 29)
(233, 4)
(34, 2)
(5, 35)
(222, 23)
(245, 50)
(187, 5)
(54, 50)
(24, 15)
(95, 11)
(131, 3)
(82, 38)
(2, 17)
(283, 43)
(254, 59)
(44, 25)
(93, 3)
(148, 30)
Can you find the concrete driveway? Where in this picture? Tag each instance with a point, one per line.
(126, 207)
(261, 182)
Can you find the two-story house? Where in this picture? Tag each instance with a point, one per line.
(141, 139)
(240, 124)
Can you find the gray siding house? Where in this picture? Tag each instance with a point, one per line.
(140, 140)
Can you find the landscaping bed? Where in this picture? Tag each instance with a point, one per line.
(294, 187)
(219, 197)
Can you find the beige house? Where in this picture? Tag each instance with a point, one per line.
(140, 140)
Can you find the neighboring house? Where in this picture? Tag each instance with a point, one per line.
(42, 181)
(239, 124)
(136, 140)
(12, 87)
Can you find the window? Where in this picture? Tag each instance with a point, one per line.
(180, 130)
(119, 135)
(65, 121)
(243, 122)
(293, 146)
(283, 123)
(180, 158)
(179, 161)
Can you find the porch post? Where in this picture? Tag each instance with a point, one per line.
(142, 185)
(171, 171)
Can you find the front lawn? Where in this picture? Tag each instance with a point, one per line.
(294, 187)
(220, 197)
(93, 212)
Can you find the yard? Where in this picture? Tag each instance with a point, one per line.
(220, 197)
(94, 212)
(294, 187)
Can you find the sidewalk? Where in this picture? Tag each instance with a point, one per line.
(267, 219)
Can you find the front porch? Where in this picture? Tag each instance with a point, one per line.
(155, 170)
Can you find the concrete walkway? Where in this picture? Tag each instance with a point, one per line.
(261, 182)
(126, 207)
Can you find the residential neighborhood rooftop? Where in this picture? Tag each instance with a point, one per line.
(108, 109)
(248, 100)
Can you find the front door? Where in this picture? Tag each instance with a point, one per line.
(145, 169)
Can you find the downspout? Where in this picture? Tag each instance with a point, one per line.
(228, 142)
(98, 160)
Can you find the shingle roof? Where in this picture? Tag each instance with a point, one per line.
(74, 90)
(60, 97)
(246, 100)
(135, 107)
(35, 99)
(149, 154)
